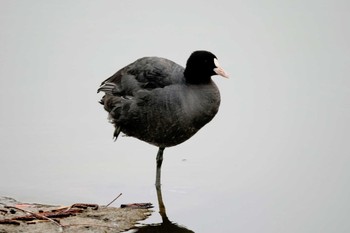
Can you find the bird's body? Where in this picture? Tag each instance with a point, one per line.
(159, 101)
(156, 105)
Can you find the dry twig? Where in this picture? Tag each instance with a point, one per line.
(38, 216)
(113, 200)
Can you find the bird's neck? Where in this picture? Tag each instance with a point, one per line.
(196, 77)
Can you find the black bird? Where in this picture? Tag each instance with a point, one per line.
(162, 103)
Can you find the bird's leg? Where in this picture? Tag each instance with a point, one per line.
(161, 205)
(159, 165)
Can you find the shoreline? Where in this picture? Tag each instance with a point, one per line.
(78, 218)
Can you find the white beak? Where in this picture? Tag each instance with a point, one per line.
(219, 70)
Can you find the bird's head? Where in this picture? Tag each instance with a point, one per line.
(201, 65)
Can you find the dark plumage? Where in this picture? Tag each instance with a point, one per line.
(160, 102)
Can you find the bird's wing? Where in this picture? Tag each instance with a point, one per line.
(144, 74)
(134, 84)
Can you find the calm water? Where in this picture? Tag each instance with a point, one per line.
(215, 189)
(274, 159)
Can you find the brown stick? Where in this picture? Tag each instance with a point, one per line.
(113, 200)
(38, 216)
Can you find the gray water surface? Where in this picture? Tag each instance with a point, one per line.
(274, 159)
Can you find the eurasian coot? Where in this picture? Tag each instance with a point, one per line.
(162, 103)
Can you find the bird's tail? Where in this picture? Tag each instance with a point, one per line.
(107, 87)
(116, 133)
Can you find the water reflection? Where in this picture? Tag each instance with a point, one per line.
(166, 225)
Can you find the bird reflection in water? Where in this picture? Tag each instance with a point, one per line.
(166, 226)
